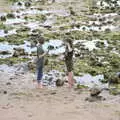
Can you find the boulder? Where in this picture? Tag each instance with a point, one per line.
(95, 91)
(94, 99)
(3, 18)
(18, 52)
(27, 4)
(19, 3)
(5, 52)
(10, 15)
(59, 82)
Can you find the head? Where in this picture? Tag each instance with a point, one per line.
(69, 41)
(41, 40)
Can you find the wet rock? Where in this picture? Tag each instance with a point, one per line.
(59, 82)
(8, 83)
(72, 12)
(107, 30)
(23, 29)
(50, 47)
(31, 66)
(95, 99)
(114, 79)
(10, 15)
(18, 52)
(3, 18)
(19, 3)
(99, 44)
(4, 52)
(4, 92)
(27, 4)
(5, 31)
(95, 92)
(53, 92)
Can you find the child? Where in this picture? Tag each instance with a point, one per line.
(40, 61)
(69, 60)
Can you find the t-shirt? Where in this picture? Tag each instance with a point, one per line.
(40, 51)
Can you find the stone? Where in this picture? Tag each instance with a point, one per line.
(95, 99)
(95, 91)
(4, 52)
(27, 4)
(8, 83)
(59, 82)
(3, 18)
(10, 15)
(5, 92)
(18, 52)
(19, 3)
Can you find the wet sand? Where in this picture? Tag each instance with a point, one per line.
(24, 101)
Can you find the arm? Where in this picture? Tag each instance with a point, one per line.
(69, 48)
(40, 56)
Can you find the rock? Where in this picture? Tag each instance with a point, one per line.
(95, 99)
(114, 91)
(100, 44)
(3, 18)
(18, 52)
(95, 91)
(23, 29)
(4, 52)
(5, 92)
(50, 47)
(50, 79)
(114, 79)
(5, 31)
(31, 66)
(8, 83)
(53, 93)
(19, 3)
(27, 4)
(10, 15)
(46, 61)
(59, 82)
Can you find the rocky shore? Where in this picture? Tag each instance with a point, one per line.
(94, 28)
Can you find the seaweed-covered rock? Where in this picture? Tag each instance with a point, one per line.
(18, 52)
(5, 52)
(114, 89)
(19, 3)
(10, 15)
(115, 79)
(27, 4)
(3, 18)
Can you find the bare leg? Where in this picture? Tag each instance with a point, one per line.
(40, 85)
(70, 79)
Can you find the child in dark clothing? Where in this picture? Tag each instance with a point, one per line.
(69, 60)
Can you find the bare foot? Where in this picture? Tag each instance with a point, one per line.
(39, 85)
(34, 81)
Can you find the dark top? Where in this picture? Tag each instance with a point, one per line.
(69, 59)
(40, 51)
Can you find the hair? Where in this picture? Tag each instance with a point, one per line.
(41, 40)
(68, 40)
